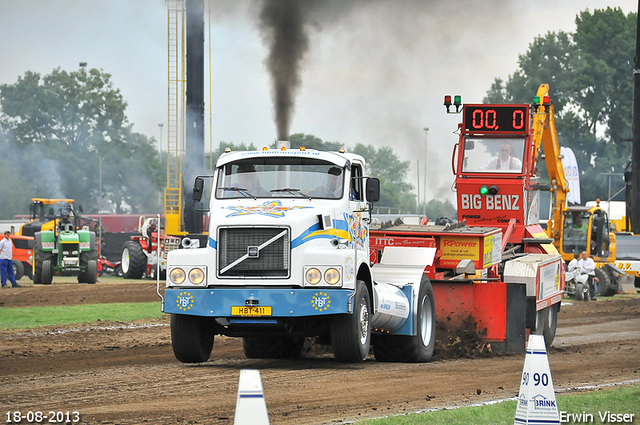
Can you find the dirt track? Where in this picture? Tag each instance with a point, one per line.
(125, 373)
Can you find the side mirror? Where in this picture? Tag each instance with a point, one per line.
(373, 190)
(469, 145)
(198, 187)
(80, 208)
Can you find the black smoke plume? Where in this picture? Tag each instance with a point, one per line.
(282, 23)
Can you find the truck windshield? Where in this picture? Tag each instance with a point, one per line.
(280, 177)
(502, 155)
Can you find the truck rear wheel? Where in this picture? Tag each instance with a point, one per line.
(191, 338)
(272, 347)
(134, 261)
(350, 333)
(417, 348)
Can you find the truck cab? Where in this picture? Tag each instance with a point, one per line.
(287, 257)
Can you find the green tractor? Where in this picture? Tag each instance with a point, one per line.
(66, 250)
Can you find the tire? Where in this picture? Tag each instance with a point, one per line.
(46, 272)
(18, 269)
(604, 287)
(272, 347)
(191, 338)
(351, 333)
(28, 270)
(550, 324)
(88, 276)
(117, 271)
(134, 261)
(417, 348)
(38, 258)
(579, 292)
(92, 271)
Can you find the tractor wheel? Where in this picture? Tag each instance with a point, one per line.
(272, 347)
(46, 272)
(350, 333)
(38, 258)
(604, 287)
(28, 270)
(92, 271)
(417, 348)
(18, 269)
(88, 276)
(191, 338)
(134, 261)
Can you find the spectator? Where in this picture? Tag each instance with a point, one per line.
(588, 266)
(6, 261)
(573, 264)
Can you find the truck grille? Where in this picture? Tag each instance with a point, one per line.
(253, 252)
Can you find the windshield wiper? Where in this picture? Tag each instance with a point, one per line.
(243, 191)
(291, 191)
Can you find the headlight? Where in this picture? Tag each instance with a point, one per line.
(332, 276)
(313, 276)
(196, 276)
(177, 276)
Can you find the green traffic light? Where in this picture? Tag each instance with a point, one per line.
(484, 190)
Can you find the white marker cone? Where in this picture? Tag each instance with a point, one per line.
(251, 407)
(536, 399)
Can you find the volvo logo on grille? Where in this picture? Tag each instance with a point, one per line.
(253, 252)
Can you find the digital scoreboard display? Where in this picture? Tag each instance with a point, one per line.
(496, 118)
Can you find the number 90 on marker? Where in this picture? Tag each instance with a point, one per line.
(537, 379)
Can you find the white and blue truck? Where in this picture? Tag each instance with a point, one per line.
(287, 258)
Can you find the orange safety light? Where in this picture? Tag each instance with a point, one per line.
(264, 148)
(283, 148)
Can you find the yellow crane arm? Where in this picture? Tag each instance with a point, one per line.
(545, 136)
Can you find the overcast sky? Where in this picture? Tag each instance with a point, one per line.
(375, 73)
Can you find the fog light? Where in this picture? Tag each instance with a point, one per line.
(177, 276)
(332, 276)
(313, 276)
(196, 276)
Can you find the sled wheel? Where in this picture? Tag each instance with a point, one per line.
(417, 348)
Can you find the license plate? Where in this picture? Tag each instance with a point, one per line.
(250, 311)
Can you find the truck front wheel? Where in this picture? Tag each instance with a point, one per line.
(417, 348)
(350, 333)
(191, 338)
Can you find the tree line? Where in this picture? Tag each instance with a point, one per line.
(590, 74)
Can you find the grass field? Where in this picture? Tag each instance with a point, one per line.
(618, 401)
(32, 317)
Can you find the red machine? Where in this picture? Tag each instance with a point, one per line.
(141, 254)
(497, 266)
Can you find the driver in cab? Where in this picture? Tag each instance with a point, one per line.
(505, 161)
